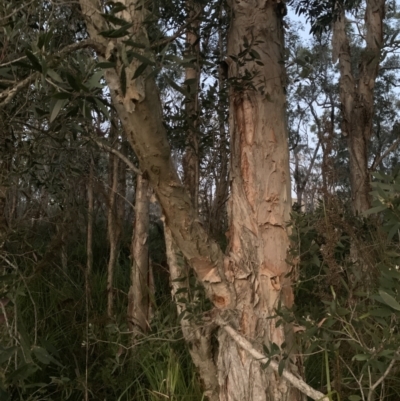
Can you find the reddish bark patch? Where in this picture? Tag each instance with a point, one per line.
(218, 301)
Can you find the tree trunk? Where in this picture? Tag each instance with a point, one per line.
(112, 226)
(139, 291)
(192, 78)
(89, 235)
(251, 281)
(356, 96)
(260, 202)
(218, 209)
(198, 337)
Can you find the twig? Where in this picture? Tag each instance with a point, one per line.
(9, 94)
(116, 153)
(391, 148)
(383, 377)
(177, 33)
(290, 377)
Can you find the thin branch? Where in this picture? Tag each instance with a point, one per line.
(16, 11)
(12, 61)
(177, 33)
(391, 148)
(290, 377)
(117, 153)
(11, 92)
(81, 45)
(311, 165)
(383, 377)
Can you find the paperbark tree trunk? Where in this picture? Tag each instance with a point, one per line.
(250, 282)
(357, 96)
(139, 291)
(260, 201)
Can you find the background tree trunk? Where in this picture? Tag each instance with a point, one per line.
(112, 226)
(356, 96)
(139, 291)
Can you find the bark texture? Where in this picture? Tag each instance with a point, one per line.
(260, 201)
(139, 109)
(139, 291)
(356, 96)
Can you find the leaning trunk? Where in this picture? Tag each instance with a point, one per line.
(260, 203)
(198, 337)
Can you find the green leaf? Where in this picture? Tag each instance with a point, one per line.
(73, 82)
(122, 80)
(6, 354)
(23, 372)
(116, 7)
(254, 54)
(139, 70)
(102, 108)
(113, 19)
(62, 95)
(42, 355)
(281, 366)
(52, 74)
(376, 209)
(354, 398)
(105, 65)
(360, 357)
(177, 87)
(34, 61)
(58, 105)
(141, 58)
(134, 44)
(93, 82)
(117, 33)
(389, 300)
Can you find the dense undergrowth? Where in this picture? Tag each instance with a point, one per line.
(57, 340)
(58, 344)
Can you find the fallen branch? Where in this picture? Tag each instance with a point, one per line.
(290, 377)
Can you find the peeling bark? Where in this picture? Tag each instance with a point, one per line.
(356, 96)
(260, 203)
